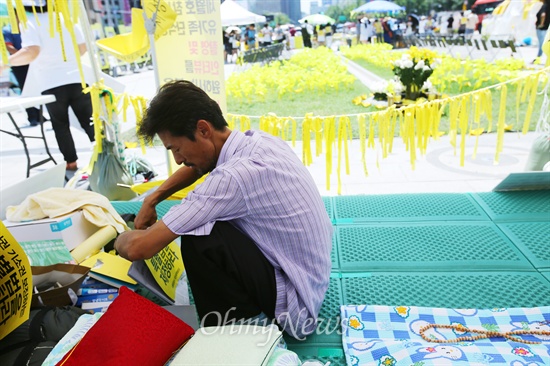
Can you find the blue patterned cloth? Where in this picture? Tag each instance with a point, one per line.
(389, 336)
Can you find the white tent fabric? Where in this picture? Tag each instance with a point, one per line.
(234, 14)
(514, 22)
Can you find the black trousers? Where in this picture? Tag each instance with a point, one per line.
(66, 96)
(227, 270)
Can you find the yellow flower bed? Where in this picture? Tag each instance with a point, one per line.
(312, 70)
(453, 75)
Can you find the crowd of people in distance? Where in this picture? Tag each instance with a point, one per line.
(366, 29)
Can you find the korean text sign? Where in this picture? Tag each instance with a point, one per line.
(15, 283)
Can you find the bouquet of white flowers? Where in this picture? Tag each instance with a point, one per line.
(413, 70)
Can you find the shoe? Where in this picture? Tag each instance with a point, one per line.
(72, 166)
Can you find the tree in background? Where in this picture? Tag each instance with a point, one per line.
(281, 18)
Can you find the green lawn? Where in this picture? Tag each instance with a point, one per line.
(383, 72)
(511, 108)
(334, 102)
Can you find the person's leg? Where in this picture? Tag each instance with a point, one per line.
(541, 34)
(81, 105)
(20, 73)
(227, 270)
(59, 116)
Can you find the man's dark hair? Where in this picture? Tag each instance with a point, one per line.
(177, 108)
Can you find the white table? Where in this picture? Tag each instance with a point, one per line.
(13, 104)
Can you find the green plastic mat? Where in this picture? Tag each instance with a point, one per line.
(533, 239)
(448, 290)
(438, 246)
(546, 274)
(515, 206)
(329, 329)
(334, 252)
(329, 207)
(133, 207)
(406, 207)
(326, 353)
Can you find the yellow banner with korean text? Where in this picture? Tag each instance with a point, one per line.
(192, 49)
(15, 283)
(167, 268)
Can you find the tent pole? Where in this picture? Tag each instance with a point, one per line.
(86, 29)
(150, 26)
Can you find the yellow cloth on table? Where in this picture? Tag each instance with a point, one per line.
(56, 202)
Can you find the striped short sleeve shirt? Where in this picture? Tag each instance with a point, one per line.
(261, 187)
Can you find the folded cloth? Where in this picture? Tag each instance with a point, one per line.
(54, 202)
(388, 335)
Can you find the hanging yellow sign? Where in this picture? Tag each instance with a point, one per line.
(15, 283)
(192, 49)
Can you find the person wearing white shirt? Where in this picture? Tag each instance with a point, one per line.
(57, 76)
(266, 35)
(471, 24)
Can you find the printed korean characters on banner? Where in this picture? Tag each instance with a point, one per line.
(167, 267)
(15, 283)
(192, 49)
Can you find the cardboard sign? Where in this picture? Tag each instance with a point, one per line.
(15, 283)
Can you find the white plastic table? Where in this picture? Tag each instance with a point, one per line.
(13, 104)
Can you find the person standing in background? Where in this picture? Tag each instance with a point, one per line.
(278, 34)
(379, 30)
(266, 35)
(250, 36)
(13, 44)
(471, 24)
(56, 76)
(462, 24)
(543, 20)
(450, 23)
(307, 34)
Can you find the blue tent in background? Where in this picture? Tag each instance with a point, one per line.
(379, 6)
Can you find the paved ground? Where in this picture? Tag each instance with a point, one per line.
(437, 171)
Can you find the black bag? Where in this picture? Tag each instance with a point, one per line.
(32, 341)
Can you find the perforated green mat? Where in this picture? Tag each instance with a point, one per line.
(456, 290)
(483, 250)
(328, 206)
(133, 207)
(533, 239)
(406, 207)
(515, 206)
(334, 252)
(440, 246)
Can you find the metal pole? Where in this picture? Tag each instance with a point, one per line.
(88, 36)
(150, 26)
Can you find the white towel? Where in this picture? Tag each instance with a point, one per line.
(56, 202)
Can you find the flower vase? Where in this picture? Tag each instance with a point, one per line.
(412, 92)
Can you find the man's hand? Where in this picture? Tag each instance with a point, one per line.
(142, 244)
(146, 216)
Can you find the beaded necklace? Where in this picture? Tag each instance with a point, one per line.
(482, 334)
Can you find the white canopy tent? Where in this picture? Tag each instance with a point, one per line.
(234, 14)
(517, 20)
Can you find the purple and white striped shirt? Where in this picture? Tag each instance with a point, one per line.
(261, 186)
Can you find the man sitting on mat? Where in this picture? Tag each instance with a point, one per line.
(255, 236)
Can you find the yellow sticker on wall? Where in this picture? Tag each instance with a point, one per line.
(15, 283)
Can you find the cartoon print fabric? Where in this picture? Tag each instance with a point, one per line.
(389, 336)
